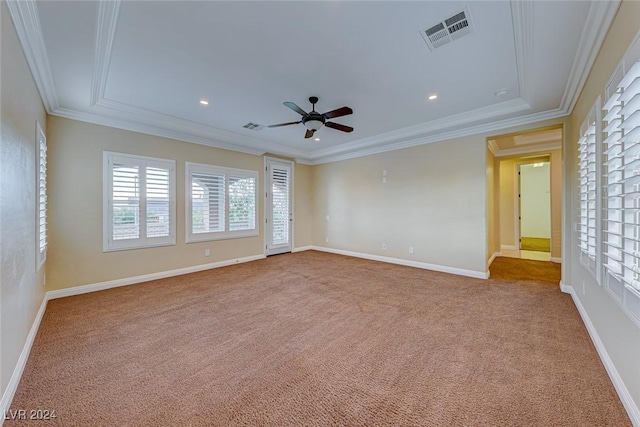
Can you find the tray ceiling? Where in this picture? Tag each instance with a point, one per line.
(146, 65)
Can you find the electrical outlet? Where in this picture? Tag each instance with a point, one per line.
(410, 250)
(328, 217)
(384, 176)
(326, 239)
(207, 252)
(384, 246)
(584, 288)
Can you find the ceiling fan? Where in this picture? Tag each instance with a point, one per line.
(314, 120)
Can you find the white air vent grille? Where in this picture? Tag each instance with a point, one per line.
(253, 126)
(448, 30)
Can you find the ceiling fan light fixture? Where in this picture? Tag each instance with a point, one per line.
(313, 124)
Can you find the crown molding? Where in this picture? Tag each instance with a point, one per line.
(522, 17)
(117, 123)
(24, 14)
(529, 150)
(499, 125)
(424, 129)
(493, 147)
(548, 136)
(108, 12)
(599, 19)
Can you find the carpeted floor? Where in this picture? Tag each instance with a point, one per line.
(535, 244)
(320, 339)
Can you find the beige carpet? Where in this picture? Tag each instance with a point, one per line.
(314, 339)
(535, 244)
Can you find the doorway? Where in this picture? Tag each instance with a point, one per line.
(534, 191)
(278, 206)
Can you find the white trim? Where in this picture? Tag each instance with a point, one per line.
(105, 33)
(623, 393)
(458, 132)
(25, 18)
(493, 146)
(599, 19)
(493, 257)
(529, 150)
(12, 386)
(522, 18)
(302, 248)
(556, 260)
(94, 287)
(508, 248)
(399, 261)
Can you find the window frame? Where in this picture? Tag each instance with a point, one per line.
(142, 242)
(41, 187)
(226, 234)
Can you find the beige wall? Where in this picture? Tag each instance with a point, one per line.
(21, 286)
(75, 188)
(620, 337)
(434, 200)
(304, 211)
(509, 206)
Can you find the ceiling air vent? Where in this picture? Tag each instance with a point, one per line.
(253, 126)
(448, 30)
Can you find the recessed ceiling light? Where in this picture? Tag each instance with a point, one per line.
(432, 97)
(204, 102)
(317, 139)
(501, 92)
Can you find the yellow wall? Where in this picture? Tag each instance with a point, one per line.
(508, 200)
(75, 182)
(21, 286)
(620, 337)
(493, 205)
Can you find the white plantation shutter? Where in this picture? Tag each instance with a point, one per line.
(587, 185)
(622, 168)
(242, 203)
(207, 201)
(221, 203)
(280, 197)
(41, 208)
(139, 202)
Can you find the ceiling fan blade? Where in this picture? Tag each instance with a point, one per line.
(337, 126)
(309, 133)
(344, 111)
(284, 124)
(295, 108)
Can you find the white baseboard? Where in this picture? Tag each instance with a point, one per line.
(556, 260)
(623, 393)
(408, 263)
(83, 289)
(12, 386)
(302, 248)
(509, 248)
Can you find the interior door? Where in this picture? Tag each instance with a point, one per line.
(279, 206)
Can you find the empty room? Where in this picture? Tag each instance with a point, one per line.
(320, 213)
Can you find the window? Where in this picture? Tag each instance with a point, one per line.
(41, 199)
(587, 175)
(139, 202)
(221, 203)
(621, 168)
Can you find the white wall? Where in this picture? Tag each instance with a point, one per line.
(535, 200)
(21, 286)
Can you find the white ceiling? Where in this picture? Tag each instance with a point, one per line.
(145, 65)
